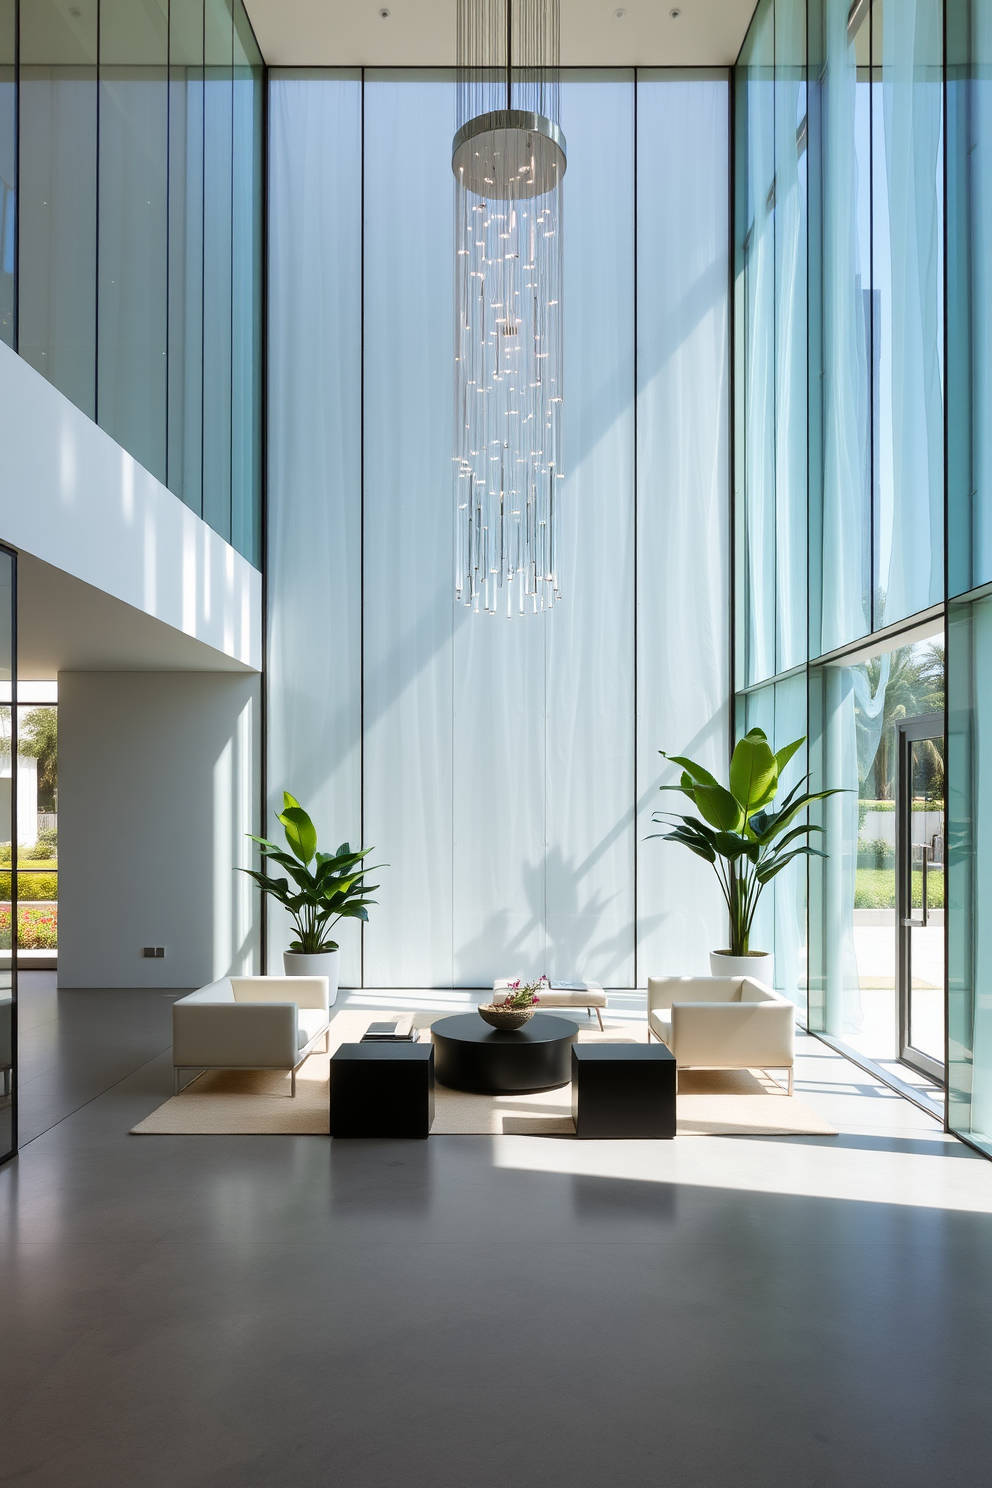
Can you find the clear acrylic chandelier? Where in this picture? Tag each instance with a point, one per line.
(508, 158)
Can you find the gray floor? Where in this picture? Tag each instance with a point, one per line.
(244, 1311)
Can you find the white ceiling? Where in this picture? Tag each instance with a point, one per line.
(421, 33)
(64, 625)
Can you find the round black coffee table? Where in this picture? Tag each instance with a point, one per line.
(469, 1055)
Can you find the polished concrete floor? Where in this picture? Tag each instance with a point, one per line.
(468, 1311)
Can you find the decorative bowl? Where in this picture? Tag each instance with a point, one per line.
(508, 1019)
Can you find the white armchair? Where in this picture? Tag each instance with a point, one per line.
(250, 1022)
(723, 1023)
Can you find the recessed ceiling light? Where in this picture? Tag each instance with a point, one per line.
(674, 14)
(384, 15)
(619, 14)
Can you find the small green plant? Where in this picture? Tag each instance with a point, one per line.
(746, 843)
(333, 889)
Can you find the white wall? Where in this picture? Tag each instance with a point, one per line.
(158, 785)
(73, 497)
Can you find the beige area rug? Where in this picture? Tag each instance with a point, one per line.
(258, 1102)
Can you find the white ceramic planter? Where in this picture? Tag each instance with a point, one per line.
(757, 964)
(326, 964)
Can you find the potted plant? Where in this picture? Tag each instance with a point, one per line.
(333, 889)
(516, 1006)
(746, 842)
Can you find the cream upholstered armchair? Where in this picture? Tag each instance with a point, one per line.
(251, 1022)
(722, 1023)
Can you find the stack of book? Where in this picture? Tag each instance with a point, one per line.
(395, 1031)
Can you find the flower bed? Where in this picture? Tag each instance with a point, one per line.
(37, 927)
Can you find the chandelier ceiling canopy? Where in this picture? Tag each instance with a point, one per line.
(508, 158)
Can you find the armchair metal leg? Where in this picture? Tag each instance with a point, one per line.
(292, 1083)
(327, 1039)
(175, 1082)
(791, 1073)
(650, 1035)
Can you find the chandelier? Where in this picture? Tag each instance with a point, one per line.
(508, 158)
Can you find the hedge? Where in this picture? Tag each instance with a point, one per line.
(31, 886)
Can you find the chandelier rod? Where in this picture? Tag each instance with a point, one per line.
(509, 53)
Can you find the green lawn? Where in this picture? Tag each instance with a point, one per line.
(875, 888)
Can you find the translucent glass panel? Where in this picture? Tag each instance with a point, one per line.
(780, 922)
(8, 892)
(315, 463)
(907, 296)
(56, 311)
(683, 468)
(8, 166)
(185, 351)
(770, 272)
(132, 281)
(491, 762)
(218, 188)
(246, 291)
(839, 144)
(140, 283)
(969, 870)
(969, 293)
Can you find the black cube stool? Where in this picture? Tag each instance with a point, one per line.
(623, 1090)
(382, 1090)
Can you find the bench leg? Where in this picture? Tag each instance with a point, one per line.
(292, 1083)
(598, 1015)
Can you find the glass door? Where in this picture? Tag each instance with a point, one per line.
(920, 837)
(8, 839)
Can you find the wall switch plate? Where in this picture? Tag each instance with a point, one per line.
(154, 952)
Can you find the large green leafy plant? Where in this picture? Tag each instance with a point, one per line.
(333, 889)
(740, 835)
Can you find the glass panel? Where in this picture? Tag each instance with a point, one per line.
(37, 829)
(683, 429)
(132, 288)
(907, 277)
(56, 315)
(758, 252)
(969, 293)
(790, 211)
(780, 921)
(315, 461)
(217, 243)
(246, 478)
(969, 870)
(925, 961)
(8, 166)
(8, 971)
(185, 359)
(855, 715)
(840, 518)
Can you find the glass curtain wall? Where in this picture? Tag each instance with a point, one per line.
(136, 228)
(505, 770)
(839, 418)
(969, 532)
(8, 166)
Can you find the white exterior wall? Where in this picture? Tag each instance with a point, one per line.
(158, 785)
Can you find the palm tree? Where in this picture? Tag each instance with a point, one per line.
(915, 685)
